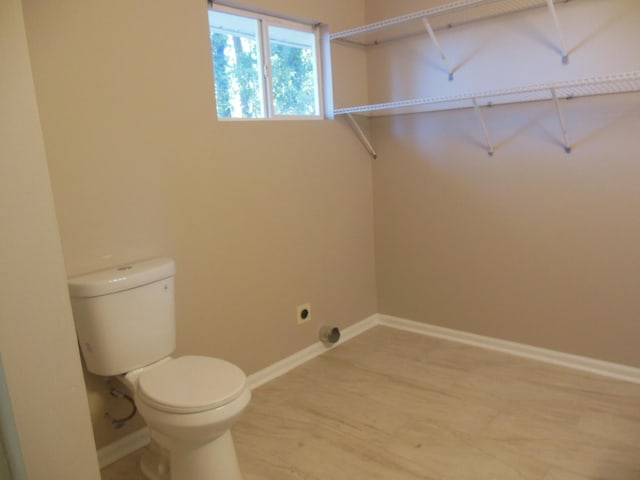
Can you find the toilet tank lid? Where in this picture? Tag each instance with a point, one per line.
(122, 277)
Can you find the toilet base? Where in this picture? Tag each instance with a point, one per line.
(215, 460)
(155, 462)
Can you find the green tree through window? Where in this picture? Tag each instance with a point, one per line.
(288, 85)
(293, 76)
(237, 76)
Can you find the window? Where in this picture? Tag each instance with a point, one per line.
(264, 67)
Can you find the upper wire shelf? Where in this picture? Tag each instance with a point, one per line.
(456, 13)
(601, 85)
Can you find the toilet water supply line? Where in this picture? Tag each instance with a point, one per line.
(120, 422)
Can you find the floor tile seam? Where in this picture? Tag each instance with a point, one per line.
(555, 469)
(615, 443)
(543, 393)
(545, 465)
(625, 416)
(322, 417)
(458, 390)
(519, 407)
(500, 414)
(284, 465)
(396, 380)
(380, 448)
(466, 443)
(510, 466)
(406, 460)
(376, 444)
(465, 438)
(554, 433)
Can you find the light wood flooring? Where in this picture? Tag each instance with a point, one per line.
(395, 405)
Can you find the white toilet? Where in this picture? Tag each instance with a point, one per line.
(125, 321)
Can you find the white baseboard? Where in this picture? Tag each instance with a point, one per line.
(283, 366)
(123, 447)
(129, 444)
(586, 364)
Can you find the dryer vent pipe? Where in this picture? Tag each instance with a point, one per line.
(329, 335)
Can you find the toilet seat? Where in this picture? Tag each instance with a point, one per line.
(191, 384)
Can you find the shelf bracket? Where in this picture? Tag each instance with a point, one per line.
(362, 136)
(484, 127)
(563, 46)
(563, 126)
(434, 39)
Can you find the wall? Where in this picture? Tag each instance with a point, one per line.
(37, 339)
(4, 465)
(260, 216)
(531, 245)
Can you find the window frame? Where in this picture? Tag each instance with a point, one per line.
(264, 21)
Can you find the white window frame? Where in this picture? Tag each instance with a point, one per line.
(264, 22)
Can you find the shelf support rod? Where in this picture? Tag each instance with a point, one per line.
(362, 136)
(563, 46)
(434, 39)
(476, 107)
(563, 126)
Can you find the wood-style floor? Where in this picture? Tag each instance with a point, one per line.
(395, 405)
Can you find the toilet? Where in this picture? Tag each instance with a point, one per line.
(125, 323)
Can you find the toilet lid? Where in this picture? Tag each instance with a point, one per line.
(191, 384)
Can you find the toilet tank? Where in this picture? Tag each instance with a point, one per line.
(125, 316)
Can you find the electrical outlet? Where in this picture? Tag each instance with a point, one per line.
(304, 313)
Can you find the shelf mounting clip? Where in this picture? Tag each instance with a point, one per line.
(434, 39)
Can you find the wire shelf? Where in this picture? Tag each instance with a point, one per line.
(602, 85)
(452, 14)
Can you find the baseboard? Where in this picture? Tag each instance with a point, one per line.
(123, 447)
(318, 348)
(586, 364)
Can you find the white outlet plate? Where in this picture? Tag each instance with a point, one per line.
(300, 309)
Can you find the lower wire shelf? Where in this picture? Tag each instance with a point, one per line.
(592, 86)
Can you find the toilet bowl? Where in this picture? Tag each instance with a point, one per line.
(189, 404)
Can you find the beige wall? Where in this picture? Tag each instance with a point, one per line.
(37, 339)
(531, 245)
(260, 216)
